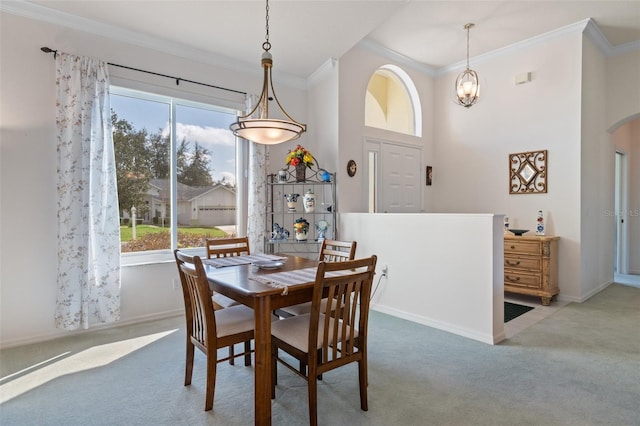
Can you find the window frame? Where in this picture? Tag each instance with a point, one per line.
(166, 255)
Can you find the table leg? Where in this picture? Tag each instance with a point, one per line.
(262, 342)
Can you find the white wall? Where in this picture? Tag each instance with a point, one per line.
(28, 167)
(597, 155)
(472, 145)
(622, 96)
(444, 270)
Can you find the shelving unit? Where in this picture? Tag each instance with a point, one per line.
(277, 212)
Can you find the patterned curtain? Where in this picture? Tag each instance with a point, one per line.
(257, 191)
(88, 221)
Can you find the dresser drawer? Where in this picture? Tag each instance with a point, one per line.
(527, 263)
(524, 247)
(522, 280)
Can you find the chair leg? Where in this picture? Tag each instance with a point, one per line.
(362, 373)
(212, 363)
(274, 370)
(247, 353)
(313, 397)
(188, 371)
(231, 354)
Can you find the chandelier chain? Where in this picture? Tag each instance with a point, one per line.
(468, 27)
(266, 45)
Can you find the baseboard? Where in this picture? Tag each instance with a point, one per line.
(450, 328)
(64, 333)
(595, 291)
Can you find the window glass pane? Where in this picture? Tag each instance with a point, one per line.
(206, 174)
(142, 152)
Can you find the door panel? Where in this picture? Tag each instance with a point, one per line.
(400, 166)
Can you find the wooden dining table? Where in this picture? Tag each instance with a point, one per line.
(239, 283)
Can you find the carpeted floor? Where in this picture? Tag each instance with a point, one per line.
(577, 367)
(514, 310)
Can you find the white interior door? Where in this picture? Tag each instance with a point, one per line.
(400, 167)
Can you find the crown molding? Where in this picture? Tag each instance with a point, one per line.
(52, 16)
(575, 28)
(593, 32)
(397, 57)
(326, 69)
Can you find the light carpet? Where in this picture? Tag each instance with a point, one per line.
(580, 366)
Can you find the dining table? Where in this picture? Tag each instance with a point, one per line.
(250, 285)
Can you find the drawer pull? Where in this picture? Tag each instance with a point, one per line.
(513, 247)
(510, 263)
(516, 279)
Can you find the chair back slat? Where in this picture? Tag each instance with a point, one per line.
(340, 333)
(337, 251)
(226, 247)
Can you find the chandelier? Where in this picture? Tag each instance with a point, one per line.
(265, 130)
(467, 84)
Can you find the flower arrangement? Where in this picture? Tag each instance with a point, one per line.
(299, 155)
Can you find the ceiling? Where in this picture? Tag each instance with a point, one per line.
(304, 33)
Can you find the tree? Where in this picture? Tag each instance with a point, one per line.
(195, 170)
(159, 155)
(132, 165)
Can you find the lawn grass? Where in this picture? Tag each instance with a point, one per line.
(126, 232)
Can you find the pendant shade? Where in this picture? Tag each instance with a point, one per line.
(267, 131)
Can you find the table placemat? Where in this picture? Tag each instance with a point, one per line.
(221, 262)
(300, 276)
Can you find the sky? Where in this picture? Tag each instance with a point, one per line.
(210, 128)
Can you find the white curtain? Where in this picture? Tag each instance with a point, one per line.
(257, 191)
(88, 222)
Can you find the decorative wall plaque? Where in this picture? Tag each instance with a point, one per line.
(528, 172)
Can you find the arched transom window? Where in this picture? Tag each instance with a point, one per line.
(392, 102)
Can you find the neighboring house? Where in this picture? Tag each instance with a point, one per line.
(197, 205)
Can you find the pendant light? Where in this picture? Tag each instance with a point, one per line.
(467, 83)
(265, 130)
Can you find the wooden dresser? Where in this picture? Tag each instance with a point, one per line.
(531, 266)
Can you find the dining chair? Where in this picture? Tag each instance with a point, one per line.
(325, 339)
(226, 247)
(209, 329)
(330, 251)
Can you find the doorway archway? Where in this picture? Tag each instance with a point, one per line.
(625, 136)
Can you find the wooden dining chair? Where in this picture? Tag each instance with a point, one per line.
(209, 329)
(330, 251)
(325, 339)
(226, 247)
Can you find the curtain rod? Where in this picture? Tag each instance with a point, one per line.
(177, 79)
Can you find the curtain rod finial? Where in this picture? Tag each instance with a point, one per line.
(49, 50)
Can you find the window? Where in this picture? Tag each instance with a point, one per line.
(392, 102)
(161, 140)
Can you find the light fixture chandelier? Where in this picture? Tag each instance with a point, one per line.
(265, 130)
(467, 84)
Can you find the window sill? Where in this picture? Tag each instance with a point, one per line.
(154, 257)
